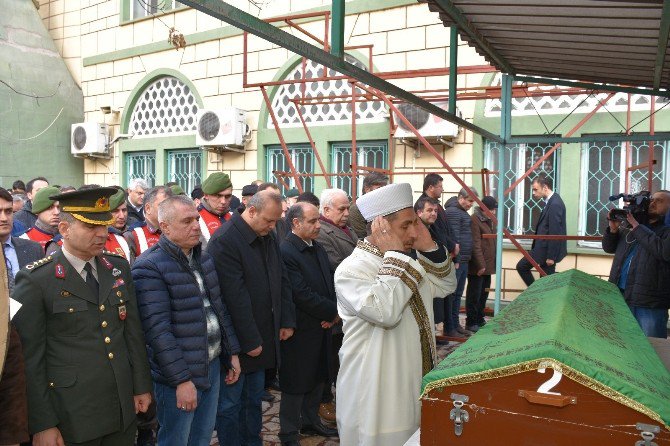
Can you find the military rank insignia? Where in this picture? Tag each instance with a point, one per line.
(106, 262)
(122, 312)
(60, 271)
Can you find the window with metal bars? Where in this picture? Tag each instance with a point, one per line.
(520, 210)
(303, 161)
(145, 8)
(185, 167)
(368, 154)
(141, 165)
(604, 175)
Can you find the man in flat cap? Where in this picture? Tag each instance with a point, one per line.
(248, 191)
(214, 207)
(385, 292)
(45, 229)
(84, 350)
(116, 243)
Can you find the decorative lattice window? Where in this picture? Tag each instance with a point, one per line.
(321, 113)
(166, 106)
(603, 174)
(563, 104)
(302, 158)
(185, 168)
(521, 210)
(141, 165)
(368, 154)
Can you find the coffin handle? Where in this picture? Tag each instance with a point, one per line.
(547, 399)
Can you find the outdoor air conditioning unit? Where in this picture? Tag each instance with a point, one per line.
(89, 139)
(429, 126)
(223, 128)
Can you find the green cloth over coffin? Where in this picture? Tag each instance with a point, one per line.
(577, 324)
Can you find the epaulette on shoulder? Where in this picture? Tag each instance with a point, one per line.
(113, 254)
(40, 262)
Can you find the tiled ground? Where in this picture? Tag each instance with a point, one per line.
(271, 416)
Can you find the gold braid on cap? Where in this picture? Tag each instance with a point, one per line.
(92, 222)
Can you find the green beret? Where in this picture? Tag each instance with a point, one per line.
(177, 190)
(117, 200)
(292, 193)
(41, 200)
(215, 183)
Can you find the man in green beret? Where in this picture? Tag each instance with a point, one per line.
(85, 356)
(116, 243)
(214, 206)
(45, 229)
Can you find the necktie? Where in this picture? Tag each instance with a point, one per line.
(10, 271)
(90, 279)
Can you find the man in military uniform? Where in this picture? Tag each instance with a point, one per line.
(45, 229)
(84, 349)
(214, 207)
(115, 241)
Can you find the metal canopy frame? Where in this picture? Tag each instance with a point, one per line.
(376, 85)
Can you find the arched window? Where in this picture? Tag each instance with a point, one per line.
(162, 119)
(165, 106)
(321, 113)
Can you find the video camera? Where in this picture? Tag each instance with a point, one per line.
(636, 204)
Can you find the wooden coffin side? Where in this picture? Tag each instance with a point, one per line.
(499, 413)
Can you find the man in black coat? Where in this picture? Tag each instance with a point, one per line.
(641, 264)
(257, 292)
(547, 253)
(305, 361)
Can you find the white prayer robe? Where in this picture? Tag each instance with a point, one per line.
(379, 381)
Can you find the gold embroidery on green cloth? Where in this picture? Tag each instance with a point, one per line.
(428, 350)
(369, 247)
(535, 364)
(440, 272)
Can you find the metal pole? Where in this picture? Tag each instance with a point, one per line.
(311, 143)
(354, 152)
(337, 31)
(505, 132)
(453, 68)
(284, 147)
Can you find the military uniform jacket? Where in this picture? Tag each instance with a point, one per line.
(85, 355)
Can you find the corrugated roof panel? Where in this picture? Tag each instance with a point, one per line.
(591, 40)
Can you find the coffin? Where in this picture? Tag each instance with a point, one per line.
(564, 364)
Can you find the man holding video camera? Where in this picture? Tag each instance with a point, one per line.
(641, 265)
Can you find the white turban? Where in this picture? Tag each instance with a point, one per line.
(385, 200)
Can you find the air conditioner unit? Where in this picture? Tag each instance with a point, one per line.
(89, 139)
(428, 125)
(222, 128)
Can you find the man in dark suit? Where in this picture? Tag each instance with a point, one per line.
(257, 292)
(137, 187)
(336, 236)
(305, 358)
(547, 253)
(84, 350)
(17, 254)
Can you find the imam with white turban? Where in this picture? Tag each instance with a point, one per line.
(386, 304)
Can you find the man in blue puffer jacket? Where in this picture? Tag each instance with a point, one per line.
(187, 327)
